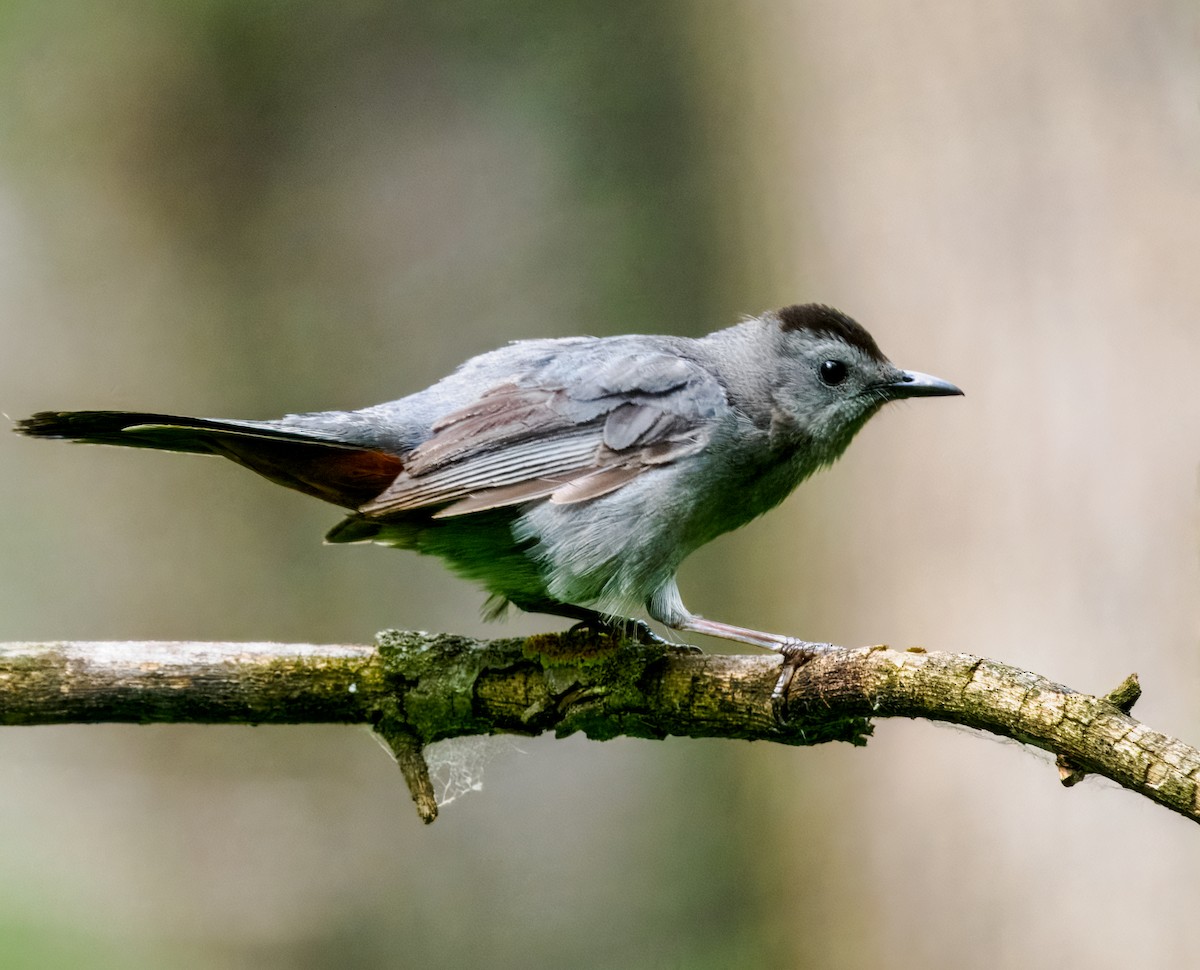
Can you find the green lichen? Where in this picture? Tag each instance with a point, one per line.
(597, 685)
(433, 678)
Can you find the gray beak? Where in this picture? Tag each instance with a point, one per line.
(915, 384)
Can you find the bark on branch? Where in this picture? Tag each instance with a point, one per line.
(416, 688)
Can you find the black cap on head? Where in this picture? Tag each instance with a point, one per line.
(820, 319)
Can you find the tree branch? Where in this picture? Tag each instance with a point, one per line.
(416, 688)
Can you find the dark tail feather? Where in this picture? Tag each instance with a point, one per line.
(167, 432)
(353, 528)
(339, 472)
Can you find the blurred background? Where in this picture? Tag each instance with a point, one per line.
(243, 209)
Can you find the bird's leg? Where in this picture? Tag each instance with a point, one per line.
(631, 628)
(795, 653)
(789, 647)
(625, 628)
(667, 607)
(619, 627)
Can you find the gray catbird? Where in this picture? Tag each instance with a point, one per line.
(570, 476)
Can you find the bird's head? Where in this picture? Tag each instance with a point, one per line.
(832, 377)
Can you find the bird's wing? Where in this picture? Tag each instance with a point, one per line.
(548, 434)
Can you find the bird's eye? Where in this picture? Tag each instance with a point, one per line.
(833, 372)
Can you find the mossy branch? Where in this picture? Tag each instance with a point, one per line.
(416, 688)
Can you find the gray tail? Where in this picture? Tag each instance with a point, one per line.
(340, 472)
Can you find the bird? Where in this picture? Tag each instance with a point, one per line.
(571, 476)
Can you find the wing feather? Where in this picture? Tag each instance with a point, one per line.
(594, 484)
(534, 436)
(511, 466)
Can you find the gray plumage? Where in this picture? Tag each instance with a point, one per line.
(570, 476)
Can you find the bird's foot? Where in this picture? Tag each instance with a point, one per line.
(795, 654)
(639, 631)
(634, 630)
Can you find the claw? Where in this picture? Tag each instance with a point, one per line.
(795, 654)
(686, 649)
(640, 631)
(627, 628)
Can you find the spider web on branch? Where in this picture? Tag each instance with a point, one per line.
(456, 765)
